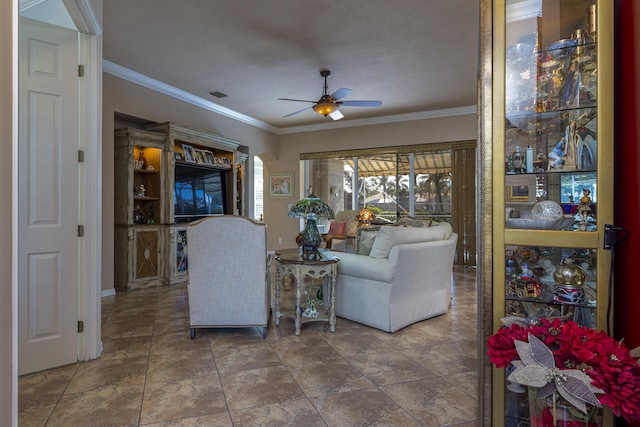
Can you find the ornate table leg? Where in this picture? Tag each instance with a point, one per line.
(277, 312)
(298, 297)
(332, 307)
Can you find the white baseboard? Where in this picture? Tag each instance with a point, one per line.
(108, 292)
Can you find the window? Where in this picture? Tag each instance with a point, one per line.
(416, 181)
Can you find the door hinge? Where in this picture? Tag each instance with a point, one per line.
(80, 326)
(80, 156)
(80, 230)
(80, 70)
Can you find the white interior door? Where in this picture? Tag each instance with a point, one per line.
(47, 196)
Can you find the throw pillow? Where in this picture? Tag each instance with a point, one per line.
(337, 229)
(366, 237)
(446, 227)
(390, 236)
(351, 228)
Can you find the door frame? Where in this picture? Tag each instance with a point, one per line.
(90, 211)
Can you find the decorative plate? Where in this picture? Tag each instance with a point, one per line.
(546, 209)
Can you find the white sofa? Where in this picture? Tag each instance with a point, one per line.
(405, 278)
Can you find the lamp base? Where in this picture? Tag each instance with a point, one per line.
(311, 240)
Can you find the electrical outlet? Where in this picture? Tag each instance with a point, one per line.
(279, 240)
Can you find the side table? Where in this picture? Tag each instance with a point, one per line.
(290, 261)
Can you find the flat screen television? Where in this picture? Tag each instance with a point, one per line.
(199, 192)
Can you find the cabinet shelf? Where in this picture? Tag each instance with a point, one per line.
(148, 199)
(144, 171)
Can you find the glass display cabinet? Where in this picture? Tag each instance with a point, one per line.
(552, 157)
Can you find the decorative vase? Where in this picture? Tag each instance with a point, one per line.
(311, 240)
(541, 414)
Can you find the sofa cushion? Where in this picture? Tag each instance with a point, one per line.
(366, 237)
(337, 229)
(446, 227)
(390, 236)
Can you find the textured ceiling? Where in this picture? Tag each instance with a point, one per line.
(413, 55)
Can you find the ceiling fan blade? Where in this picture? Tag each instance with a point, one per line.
(341, 93)
(299, 111)
(361, 103)
(296, 100)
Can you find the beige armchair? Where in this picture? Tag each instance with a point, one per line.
(229, 278)
(347, 235)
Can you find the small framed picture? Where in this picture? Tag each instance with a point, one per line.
(178, 155)
(218, 161)
(281, 185)
(200, 156)
(189, 155)
(518, 193)
(208, 156)
(226, 162)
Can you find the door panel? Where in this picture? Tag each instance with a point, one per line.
(47, 197)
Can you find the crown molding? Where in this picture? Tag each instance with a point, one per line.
(158, 86)
(182, 95)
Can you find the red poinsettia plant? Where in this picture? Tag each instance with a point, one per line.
(613, 369)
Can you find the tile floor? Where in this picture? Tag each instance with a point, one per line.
(152, 374)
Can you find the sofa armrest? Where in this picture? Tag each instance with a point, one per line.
(379, 269)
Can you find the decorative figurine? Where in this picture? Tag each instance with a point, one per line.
(584, 210)
(556, 155)
(150, 218)
(138, 215)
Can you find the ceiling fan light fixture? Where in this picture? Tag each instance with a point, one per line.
(325, 108)
(337, 114)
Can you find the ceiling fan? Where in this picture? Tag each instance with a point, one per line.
(329, 105)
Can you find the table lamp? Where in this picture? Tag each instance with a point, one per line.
(365, 216)
(311, 208)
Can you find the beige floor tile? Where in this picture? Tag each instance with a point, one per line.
(221, 419)
(113, 372)
(362, 408)
(177, 342)
(433, 401)
(101, 407)
(34, 413)
(293, 413)
(260, 387)
(245, 357)
(442, 359)
(320, 377)
(351, 344)
(179, 365)
(294, 350)
(122, 348)
(184, 398)
(389, 367)
(46, 386)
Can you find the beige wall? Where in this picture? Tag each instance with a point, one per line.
(124, 97)
(444, 129)
(8, 373)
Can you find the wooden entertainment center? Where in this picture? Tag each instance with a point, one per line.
(165, 176)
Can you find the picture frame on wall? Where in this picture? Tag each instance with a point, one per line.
(199, 155)
(281, 185)
(189, 155)
(208, 155)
